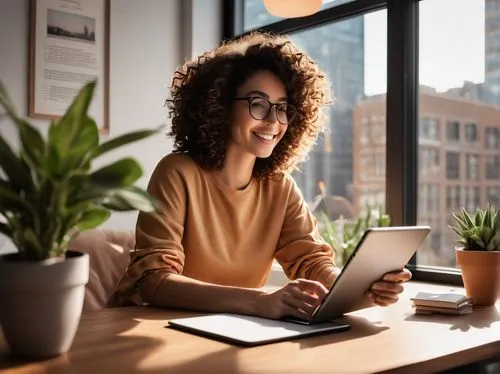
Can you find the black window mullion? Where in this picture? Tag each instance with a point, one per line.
(402, 111)
(232, 18)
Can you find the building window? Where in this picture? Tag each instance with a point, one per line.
(491, 137)
(429, 129)
(453, 131)
(429, 162)
(452, 165)
(492, 167)
(493, 195)
(472, 166)
(471, 132)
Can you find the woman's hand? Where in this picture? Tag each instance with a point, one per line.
(385, 291)
(298, 298)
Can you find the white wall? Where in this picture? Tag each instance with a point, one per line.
(147, 42)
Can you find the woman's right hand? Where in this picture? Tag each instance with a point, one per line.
(299, 299)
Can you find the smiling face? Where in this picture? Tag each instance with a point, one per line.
(253, 132)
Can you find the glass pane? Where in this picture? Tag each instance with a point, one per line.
(459, 93)
(344, 176)
(255, 14)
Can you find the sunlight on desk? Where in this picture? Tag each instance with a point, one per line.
(393, 339)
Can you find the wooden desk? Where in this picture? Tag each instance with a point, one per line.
(125, 340)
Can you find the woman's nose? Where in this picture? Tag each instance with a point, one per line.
(272, 116)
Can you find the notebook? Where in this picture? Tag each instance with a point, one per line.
(250, 331)
(442, 300)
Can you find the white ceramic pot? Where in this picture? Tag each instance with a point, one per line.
(41, 303)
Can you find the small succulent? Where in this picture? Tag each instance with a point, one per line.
(478, 231)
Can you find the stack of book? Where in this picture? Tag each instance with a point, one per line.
(443, 303)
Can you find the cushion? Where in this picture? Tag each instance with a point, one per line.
(109, 256)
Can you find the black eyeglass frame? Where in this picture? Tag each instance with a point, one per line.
(250, 99)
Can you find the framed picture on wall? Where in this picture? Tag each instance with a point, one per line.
(69, 46)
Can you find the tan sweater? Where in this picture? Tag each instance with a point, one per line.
(212, 233)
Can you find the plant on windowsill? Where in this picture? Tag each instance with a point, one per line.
(477, 253)
(344, 235)
(48, 194)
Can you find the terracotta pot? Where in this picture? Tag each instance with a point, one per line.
(481, 275)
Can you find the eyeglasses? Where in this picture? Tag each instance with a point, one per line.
(260, 107)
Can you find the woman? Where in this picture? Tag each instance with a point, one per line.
(242, 117)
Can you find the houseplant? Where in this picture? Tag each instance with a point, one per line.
(477, 253)
(344, 235)
(48, 194)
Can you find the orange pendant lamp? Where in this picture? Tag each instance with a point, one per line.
(292, 8)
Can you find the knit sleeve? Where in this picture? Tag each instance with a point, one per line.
(301, 250)
(158, 248)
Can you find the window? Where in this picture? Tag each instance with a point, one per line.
(492, 167)
(491, 137)
(429, 129)
(460, 82)
(453, 131)
(470, 132)
(429, 161)
(352, 166)
(452, 165)
(472, 166)
(442, 150)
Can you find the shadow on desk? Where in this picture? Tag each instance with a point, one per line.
(360, 328)
(488, 315)
(133, 340)
(104, 335)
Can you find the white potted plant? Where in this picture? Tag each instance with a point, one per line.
(477, 253)
(48, 194)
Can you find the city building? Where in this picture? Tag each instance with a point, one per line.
(459, 160)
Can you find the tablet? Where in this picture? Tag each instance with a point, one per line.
(380, 250)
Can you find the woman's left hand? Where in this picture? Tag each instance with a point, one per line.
(385, 291)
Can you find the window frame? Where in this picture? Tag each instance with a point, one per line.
(402, 151)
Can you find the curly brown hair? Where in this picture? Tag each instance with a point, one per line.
(203, 92)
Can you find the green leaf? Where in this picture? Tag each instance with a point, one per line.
(460, 221)
(88, 140)
(457, 231)
(467, 218)
(28, 244)
(93, 218)
(14, 168)
(487, 234)
(487, 218)
(132, 198)
(33, 145)
(478, 217)
(11, 201)
(478, 240)
(121, 173)
(124, 139)
(65, 134)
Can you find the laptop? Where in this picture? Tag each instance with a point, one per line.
(380, 250)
